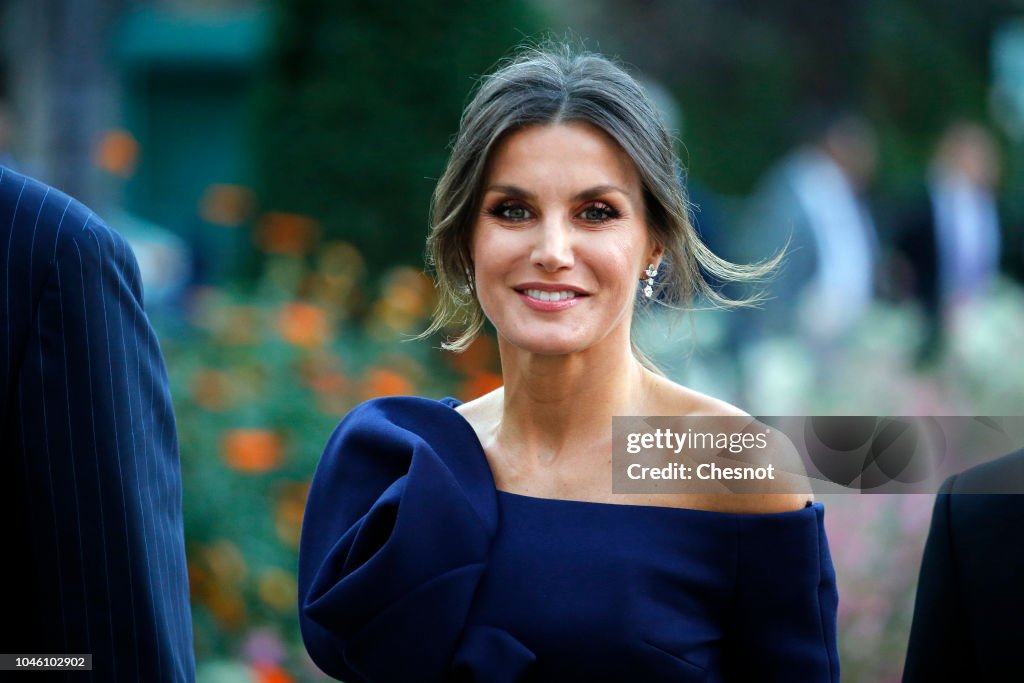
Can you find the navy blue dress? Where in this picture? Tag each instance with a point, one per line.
(413, 567)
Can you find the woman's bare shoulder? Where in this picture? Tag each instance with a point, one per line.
(788, 490)
(670, 398)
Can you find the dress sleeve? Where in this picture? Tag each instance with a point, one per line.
(394, 542)
(784, 625)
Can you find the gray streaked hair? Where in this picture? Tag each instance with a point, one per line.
(550, 84)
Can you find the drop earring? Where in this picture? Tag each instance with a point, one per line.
(650, 273)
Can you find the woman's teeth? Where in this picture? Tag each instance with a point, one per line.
(549, 296)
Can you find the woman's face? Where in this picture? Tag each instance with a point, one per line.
(560, 243)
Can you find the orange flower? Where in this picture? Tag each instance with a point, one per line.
(335, 405)
(340, 258)
(216, 579)
(227, 205)
(386, 382)
(480, 356)
(198, 580)
(278, 589)
(337, 281)
(479, 384)
(291, 506)
(117, 153)
(211, 389)
(239, 325)
(407, 295)
(252, 450)
(228, 608)
(286, 233)
(321, 371)
(292, 501)
(226, 563)
(328, 383)
(270, 673)
(340, 292)
(409, 291)
(303, 324)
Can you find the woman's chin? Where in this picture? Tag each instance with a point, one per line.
(548, 345)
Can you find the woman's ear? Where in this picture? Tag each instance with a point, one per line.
(656, 255)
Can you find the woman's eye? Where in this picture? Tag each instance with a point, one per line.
(510, 212)
(598, 212)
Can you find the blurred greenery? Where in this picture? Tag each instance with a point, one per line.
(747, 73)
(260, 379)
(357, 106)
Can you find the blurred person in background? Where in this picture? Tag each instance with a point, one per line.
(813, 200)
(90, 511)
(703, 204)
(483, 541)
(948, 247)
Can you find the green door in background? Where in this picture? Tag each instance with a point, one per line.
(187, 79)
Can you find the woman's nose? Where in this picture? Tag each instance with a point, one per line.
(553, 247)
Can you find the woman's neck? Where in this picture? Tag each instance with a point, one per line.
(560, 408)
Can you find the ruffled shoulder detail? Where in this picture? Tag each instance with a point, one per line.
(399, 522)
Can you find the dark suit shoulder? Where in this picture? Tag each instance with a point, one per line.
(986, 500)
(43, 221)
(1002, 475)
(43, 231)
(985, 511)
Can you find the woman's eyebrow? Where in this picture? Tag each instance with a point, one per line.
(512, 191)
(589, 193)
(597, 191)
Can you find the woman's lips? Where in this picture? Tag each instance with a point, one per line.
(550, 306)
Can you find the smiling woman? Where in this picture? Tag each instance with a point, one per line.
(483, 541)
(556, 238)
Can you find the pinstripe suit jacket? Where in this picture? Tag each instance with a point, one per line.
(90, 485)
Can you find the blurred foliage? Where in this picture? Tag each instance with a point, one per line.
(749, 74)
(260, 379)
(357, 106)
(357, 103)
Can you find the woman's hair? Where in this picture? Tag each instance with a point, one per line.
(557, 84)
